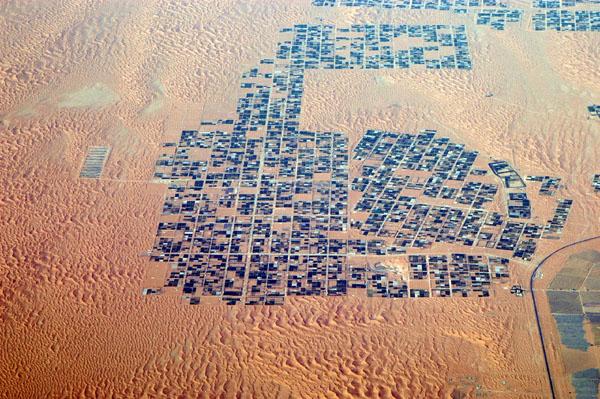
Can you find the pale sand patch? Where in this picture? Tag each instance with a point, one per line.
(158, 99)
(98, 95)
(27, 112)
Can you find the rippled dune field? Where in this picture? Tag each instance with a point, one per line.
(131, 75)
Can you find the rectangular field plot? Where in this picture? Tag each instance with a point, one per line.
(570, 328)
(564, 302)
(586, 383)
(590, 301)
(93, 165)
(594, 319)
(566, 282)
(573, 274)
(592, 281)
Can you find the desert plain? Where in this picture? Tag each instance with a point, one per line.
(131, 75)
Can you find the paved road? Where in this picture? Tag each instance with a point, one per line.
(537, 316)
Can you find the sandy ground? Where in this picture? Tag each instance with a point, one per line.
(129, 74)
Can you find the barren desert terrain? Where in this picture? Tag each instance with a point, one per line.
(77, 253)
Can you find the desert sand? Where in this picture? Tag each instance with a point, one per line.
(131, 75)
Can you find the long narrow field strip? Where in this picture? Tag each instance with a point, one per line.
(94, 162)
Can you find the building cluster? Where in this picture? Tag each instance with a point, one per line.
(382, 46)
(517, 290)
(519, 206)
(550, 15)
(566, 20)
(491, 13)
(594, 110)
(549, 4)
(549, 184)
(561, 3)
(503, 170)
(399, 173)
(257, 209)
(456, 274)
(498, 18)
(93, 164)
(443, 5)
(554, 227)
(596, 183)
